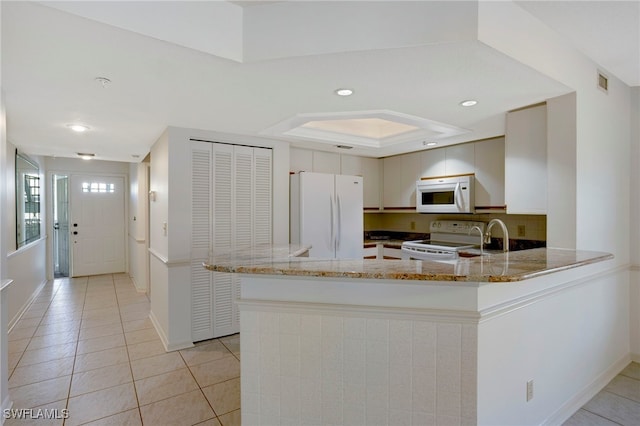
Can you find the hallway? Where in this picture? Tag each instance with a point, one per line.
(87, 345)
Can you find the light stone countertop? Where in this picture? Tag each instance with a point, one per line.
(495, 267)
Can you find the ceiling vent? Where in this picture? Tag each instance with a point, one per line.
(603, 82)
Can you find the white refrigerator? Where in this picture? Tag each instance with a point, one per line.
(327, 213)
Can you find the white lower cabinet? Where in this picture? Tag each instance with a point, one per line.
(389, 252)
(231, 189)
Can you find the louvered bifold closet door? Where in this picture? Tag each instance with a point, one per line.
(243, 212)
(262, 206)
(201, 289)
(223, 223)
(231, 190)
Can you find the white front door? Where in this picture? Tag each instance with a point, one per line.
(97, 225)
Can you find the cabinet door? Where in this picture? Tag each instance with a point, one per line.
(433, 163)
(400, 175)
(242, 197)
(223, 236)
(231, 193)
(262, 207)
(201, 279)
(459, 159)
(526, 161)
(326, 162)
(300, 160)
(369, 169)
(489, 160)
(391, 253)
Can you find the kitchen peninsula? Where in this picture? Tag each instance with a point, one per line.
(417, 342)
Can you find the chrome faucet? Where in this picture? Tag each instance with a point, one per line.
(505, 233)
(477, 228)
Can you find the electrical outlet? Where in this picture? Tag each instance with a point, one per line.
(413, 225)
(529, 390)
(521, 231)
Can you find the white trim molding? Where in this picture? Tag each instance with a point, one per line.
(169, 347)
(169, 263)
(13, 321)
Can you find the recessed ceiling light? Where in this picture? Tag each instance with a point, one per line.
(86, 155)
(78, 127)
(344, 92)
(468, 103)
(432, 143)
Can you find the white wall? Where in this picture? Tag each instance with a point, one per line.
(602, 126)
(138, 190)
(634, 300)
(26, 266)
(170, 179)
(602, 219)
(159, 207)
(635, 176)
(586, 324)
(5, 401)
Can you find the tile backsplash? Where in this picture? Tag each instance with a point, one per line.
(522, 227)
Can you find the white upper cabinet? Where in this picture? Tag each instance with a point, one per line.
(460, 159)
(448, 161)
(400, 175)
(300, 160)
(326, 162)
(489, 170)
(526, 161)
(369, 169)
(433, 163)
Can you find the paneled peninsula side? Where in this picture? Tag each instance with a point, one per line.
(417, 342)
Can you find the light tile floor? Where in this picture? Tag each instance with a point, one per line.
(617, 404)
(87, 345)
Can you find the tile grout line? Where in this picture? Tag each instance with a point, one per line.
(133, 379)
(75, 356)
(70, 289)
(215, 415)
(600, 415)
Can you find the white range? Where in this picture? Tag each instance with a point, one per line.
(448, 237)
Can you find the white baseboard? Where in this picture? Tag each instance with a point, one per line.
(168, 346)
(13, 321)
(582, 397)
(141, 290)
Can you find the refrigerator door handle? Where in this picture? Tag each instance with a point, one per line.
(339, 224)
(333, 234)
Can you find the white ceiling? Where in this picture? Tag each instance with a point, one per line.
(51, 57)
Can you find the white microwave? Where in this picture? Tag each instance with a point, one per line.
(453, 194)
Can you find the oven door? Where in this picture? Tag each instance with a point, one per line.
(428, 253)
(445, 195)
